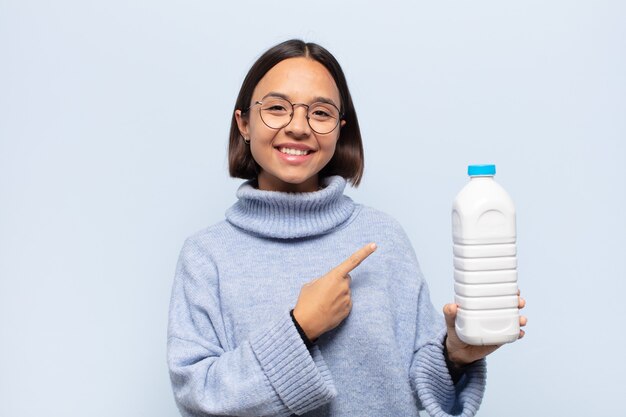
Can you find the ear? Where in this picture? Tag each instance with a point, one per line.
(342, 123)
(242, 123)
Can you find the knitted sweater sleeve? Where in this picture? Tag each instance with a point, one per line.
(429, 374)
(270, 374)
(430, 377)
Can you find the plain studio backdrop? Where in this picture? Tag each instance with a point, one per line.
(114, 118)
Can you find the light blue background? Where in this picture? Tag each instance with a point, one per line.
(113, 127)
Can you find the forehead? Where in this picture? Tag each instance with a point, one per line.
(300, 79)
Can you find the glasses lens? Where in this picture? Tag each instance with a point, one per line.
(323, 117)
(276, 112)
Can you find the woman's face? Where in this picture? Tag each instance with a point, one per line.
(291, 157)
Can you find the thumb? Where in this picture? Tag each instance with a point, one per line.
(449, 312)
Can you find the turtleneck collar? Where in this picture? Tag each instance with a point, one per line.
(282, 215)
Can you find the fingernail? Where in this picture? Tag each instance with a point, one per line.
(373, 246)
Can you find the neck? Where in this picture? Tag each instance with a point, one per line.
(270, 183)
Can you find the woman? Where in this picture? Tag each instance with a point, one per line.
(276, 311)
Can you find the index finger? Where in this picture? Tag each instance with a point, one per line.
(355, 259)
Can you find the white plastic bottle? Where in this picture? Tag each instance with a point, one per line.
(485, 260)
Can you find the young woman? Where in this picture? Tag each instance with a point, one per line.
(303, 302)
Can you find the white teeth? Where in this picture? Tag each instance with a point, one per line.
(290, 151)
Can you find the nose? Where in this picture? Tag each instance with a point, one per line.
(299, 124)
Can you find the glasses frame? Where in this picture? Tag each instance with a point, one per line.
(293, 111)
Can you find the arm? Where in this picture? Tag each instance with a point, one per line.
(430, 376)
(463, 374)
(270, 374)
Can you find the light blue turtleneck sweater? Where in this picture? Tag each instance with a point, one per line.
(234, 350)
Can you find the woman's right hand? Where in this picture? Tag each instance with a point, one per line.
(325, 302)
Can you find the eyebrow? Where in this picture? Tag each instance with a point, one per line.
(318, 99)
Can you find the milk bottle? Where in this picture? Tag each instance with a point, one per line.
(485, 260)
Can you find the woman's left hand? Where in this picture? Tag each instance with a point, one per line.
(459, 352)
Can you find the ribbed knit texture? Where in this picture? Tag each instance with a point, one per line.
(234, 350)
(300, 385)
(291, 215)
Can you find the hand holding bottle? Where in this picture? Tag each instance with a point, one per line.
(461, 353)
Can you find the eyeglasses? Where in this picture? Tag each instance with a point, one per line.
(277, 113)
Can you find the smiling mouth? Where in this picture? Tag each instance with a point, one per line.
(298, 152)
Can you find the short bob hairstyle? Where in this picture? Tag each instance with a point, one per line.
(348, 158)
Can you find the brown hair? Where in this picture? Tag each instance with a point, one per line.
(347, 160)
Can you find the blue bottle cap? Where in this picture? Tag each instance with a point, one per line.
(478, 170)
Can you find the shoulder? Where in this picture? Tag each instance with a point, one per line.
(201, 243)
(217, 231)
(377, 217)
(380, 222)
(197, 266)
(384, 229)
(395, 254)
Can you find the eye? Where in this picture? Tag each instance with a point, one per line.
(275, 107)
(320, 113)
(323, 112)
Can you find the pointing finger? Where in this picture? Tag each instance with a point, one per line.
(354, 260)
